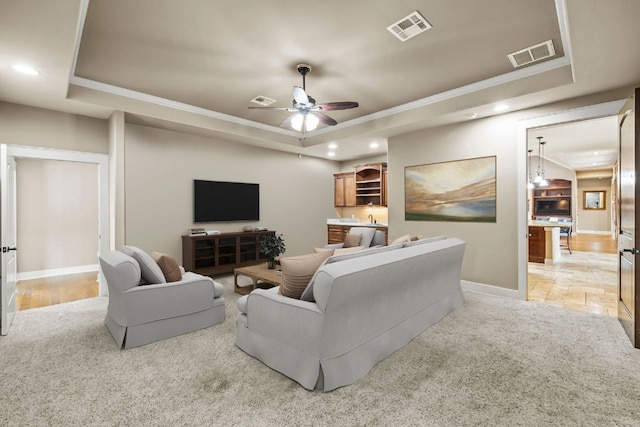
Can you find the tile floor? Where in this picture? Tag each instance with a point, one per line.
(582, 281)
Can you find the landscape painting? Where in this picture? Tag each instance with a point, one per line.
(458, 191)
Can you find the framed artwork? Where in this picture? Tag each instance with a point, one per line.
(594, 200)
(456, 191)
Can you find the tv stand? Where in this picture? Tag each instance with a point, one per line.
(221, 253)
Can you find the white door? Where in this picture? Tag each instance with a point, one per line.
(8, 238)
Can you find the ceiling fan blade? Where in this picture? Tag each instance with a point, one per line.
(324, 119)
(300, 96)
(332, 106)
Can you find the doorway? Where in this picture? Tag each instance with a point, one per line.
(57, 212)
(587, 264)
(102, 227)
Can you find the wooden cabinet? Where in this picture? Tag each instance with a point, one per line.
(221, 253)
(367, 186)
(336, 233)
(345, 189)
(536, 244)
(554, 200)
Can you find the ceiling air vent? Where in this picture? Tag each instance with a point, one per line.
(409, 26)
(263, 100)
(532, 54)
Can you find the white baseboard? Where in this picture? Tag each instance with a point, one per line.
(490, 289)
(28, 275)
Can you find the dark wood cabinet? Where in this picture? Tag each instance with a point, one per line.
(221, 253)
(536, 244)
(553, 200)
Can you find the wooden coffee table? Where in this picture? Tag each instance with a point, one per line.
(261, 275)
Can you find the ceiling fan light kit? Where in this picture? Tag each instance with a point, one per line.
(308, 115)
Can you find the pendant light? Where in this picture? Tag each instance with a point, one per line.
(539, 180)
(530, 182)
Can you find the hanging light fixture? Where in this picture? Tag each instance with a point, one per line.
(539, 180)
(308, 121)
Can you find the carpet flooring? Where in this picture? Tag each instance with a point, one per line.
(493, 362)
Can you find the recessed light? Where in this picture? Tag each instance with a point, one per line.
(333, 146)
(501, 107)
(25, 69)
(595, 153)
(471, 116)
(374, 145)
(331, 154)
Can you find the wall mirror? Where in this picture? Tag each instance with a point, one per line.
(593, 200)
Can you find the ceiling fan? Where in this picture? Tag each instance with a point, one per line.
(308, 114)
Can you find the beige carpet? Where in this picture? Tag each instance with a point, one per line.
(493, 362)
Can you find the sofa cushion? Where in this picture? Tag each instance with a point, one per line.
(297, 271)
(402, 239)
(367, 234)
(149, 269)
(352, 240)
(169, 266)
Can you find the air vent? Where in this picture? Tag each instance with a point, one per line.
(409, 26)
(532, 54)
(263, 100)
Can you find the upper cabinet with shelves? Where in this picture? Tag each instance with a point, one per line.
(367, 186)
(555, 199)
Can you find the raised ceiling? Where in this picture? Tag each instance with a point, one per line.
(195, 66)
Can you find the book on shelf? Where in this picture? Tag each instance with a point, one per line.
(196, 231)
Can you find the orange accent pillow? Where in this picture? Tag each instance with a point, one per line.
(297, 272)
(169, 266)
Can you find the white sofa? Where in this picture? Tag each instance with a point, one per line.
(363, 307)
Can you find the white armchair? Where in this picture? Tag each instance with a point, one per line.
(140, 313)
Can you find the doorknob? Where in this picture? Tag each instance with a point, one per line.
(6, 249)
(632, 250)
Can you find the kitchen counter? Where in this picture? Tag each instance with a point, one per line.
(353, 223)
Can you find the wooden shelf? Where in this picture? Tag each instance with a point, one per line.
(221, 253)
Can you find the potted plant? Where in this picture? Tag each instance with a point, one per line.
(271, 246)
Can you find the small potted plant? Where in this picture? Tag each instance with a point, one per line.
(271, 246)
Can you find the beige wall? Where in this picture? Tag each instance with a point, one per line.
(491, 255)
(296, 194)
(57, 208)
(22, 125)
(598, 221)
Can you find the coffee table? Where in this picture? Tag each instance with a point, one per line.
(260, 274)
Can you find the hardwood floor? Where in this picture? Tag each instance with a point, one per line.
(36, 293)
(585, 280)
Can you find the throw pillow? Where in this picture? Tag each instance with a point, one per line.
(330, 250)
(367, 234)
(297, 271)
(352, 240)
(402, 239)
(149, 270)
(169, 266)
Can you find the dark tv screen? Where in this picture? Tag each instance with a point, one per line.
(553, 207)
(225, 201)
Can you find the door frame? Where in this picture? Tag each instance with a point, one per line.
(102, 161)
(605, 109)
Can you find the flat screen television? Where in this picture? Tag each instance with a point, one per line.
(216, 201)
(553, 207)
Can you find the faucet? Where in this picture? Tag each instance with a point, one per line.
(371, 218)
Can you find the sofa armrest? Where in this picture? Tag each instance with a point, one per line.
(290, 321)
(148, 303)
